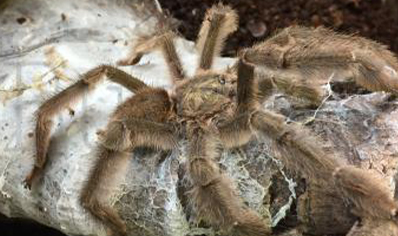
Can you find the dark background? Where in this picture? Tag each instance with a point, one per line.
(23, 227)
(258, 19)
(375, 19)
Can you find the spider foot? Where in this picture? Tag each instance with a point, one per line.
(122, 231)
(250, 224)
(105, 214)
(116, 227)
(130, 61)
(27, 183)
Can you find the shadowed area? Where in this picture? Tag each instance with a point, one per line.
(17, 226)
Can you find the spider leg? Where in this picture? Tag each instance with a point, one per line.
(369, 192)
(113, 155)
(109, 165)
(163, 40)
(237, 131)
(294, 145)
(306, 54)
(213, 195)
(62, 101)
(291, 84)
(300, 151)
(250, 117)
(132, 125)
(139, 132)
(288, 82)
(220, 21)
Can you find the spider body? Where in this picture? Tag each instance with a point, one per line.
(215, 109)
(207, 98)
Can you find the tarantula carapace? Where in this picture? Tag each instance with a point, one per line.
(223, 108)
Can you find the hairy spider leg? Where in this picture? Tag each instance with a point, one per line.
(64, 99)
(110, 165)
(300, 151)
(368, 191)
(213, 195)
(238, 131)
(163, 40)
(290, 83)
(233, 134)
(299, 56)
(309, 55)
(138, 122)
(220, 21)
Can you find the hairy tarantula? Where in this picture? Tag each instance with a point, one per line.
(224, 108)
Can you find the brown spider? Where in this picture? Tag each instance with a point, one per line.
(216, 108)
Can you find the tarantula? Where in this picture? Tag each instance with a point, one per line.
(215, 108)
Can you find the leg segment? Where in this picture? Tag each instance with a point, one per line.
(368, 191)
(213, 195)
(138, 132)
(109, 165)
(238, 131)
(116, 140)
(292, 84)
(315, 54)
(67, 97)
(289, 82)
(295, 146)
(290, 139)
(164, 41)
(247, 88)
(219, 22)
(301, 152)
